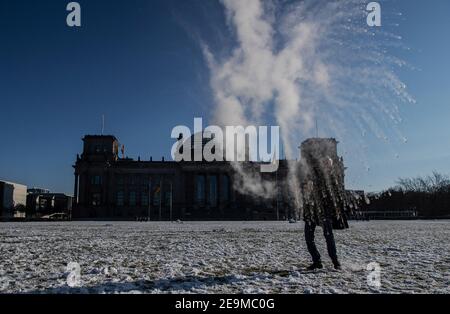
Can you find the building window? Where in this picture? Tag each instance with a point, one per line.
(212, 195)
(156, 195)
(144, 198)
(42, 203)
(225, 188)
(168, 194)
(120, 198)
(120, 180)
(145, 181)
(200, 190)
(132, 199)
(96, 180)
(96, 199)
(94, 148)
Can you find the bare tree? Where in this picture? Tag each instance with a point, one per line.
(428, 184)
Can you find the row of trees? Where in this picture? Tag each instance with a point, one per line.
(434, 183)
(428, 195)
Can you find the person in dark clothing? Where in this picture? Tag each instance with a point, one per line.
(323, 205)
(310, 229)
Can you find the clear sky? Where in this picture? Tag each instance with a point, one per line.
(140, 63)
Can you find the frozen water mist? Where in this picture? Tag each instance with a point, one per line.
(303, 61)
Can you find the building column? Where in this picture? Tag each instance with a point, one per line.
(75, 192)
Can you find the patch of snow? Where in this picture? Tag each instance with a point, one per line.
(221, 257)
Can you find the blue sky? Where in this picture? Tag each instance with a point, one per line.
(140, 63)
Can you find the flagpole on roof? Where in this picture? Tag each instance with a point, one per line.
(317, 129)
(103, 123)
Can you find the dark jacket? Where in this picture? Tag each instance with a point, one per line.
(324, 197)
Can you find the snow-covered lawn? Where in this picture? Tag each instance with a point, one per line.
(221, 257)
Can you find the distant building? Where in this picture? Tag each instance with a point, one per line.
(46, 203)
(13, 197)
(37, 191)
(109, 187)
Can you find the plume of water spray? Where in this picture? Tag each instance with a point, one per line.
(296, 61)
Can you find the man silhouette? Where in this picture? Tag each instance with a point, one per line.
(323, 204)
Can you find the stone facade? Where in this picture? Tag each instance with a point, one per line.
(110, 187)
